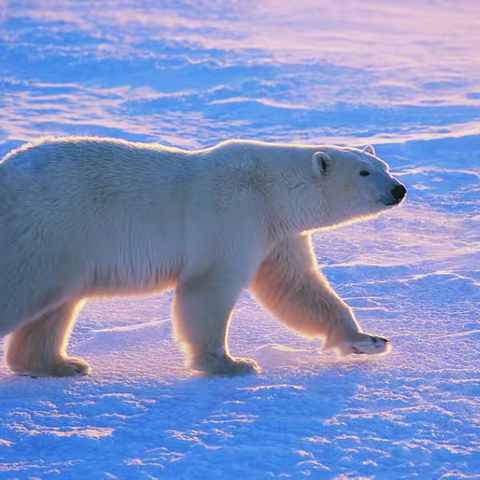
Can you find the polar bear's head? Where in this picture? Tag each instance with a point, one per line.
(353, 184)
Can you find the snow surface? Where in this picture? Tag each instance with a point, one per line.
(401, 75)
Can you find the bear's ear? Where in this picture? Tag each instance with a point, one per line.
(369, 149)
(321, 163)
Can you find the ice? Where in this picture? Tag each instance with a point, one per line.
(402, 76)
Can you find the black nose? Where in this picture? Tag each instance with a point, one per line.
(399, 192)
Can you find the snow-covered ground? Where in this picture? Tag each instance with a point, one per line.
(403, 75)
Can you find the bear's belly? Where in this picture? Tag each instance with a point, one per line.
(133, 276)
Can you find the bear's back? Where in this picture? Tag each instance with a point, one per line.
(82, 165)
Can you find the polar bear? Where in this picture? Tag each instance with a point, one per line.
(84, 217)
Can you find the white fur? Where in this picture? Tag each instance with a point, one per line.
(88, 217)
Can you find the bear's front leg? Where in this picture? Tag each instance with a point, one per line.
(289, 284)
(202, 309)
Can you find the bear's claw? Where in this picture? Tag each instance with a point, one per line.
(364, 344)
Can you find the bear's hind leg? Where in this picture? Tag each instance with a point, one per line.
(202, 310)
(38, 349)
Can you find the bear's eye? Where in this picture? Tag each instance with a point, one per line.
(364, 173)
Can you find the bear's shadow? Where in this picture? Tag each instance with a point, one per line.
(163, 414)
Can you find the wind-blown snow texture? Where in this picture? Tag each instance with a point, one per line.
(401, 75)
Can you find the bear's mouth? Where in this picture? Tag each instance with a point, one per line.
(390, 203)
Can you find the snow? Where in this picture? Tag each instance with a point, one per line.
(401, 75)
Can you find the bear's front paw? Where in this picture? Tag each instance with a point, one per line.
(364, 343)
(223, 365)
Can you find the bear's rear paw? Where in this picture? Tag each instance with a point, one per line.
(364, 343)
(66, 367)
(223, 366)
